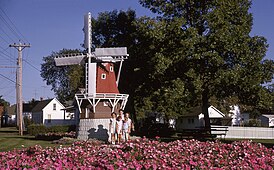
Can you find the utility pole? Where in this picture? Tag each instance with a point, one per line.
(19, 103)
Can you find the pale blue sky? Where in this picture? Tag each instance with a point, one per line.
(51, 25)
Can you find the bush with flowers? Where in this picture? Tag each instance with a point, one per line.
(55, 135)
(143, 154)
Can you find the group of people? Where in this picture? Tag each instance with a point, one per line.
(120, 127)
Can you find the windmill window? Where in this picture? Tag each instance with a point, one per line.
(111, 68)
(103, 76)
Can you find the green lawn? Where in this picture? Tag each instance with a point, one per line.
(10, 139)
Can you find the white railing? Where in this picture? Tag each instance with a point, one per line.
(250, 132)
(103, 96)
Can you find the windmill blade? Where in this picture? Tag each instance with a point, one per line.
(111, 54)
(69, 60)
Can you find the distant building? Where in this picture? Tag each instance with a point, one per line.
(267, 120)
(195, 118)
(51, 112)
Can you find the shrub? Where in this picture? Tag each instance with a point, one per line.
(35, 129)
(253, 123)
(28, 121)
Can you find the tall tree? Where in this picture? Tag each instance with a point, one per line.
(207, 46)
(116, 29)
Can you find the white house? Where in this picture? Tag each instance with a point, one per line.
(195, 118)
(267, 120)
(51, 112)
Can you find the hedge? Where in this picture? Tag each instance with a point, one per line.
(35, 129)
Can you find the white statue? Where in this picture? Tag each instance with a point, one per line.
(235, 115)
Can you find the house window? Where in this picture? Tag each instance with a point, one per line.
(111, 68)
(54, 106)
(49, 118)
(103, 76)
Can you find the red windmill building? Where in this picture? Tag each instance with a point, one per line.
(101, 96)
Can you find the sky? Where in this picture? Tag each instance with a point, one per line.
(51, 25)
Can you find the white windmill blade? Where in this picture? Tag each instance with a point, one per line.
(115, 51)
(72, 59)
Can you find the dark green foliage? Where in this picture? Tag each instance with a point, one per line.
(253, 123)
(64, 80)
(35, 129)
(62, 128)
(150, 128)
(27, 122)
(206, 45)
(194, 53)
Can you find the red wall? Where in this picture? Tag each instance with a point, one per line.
(107, 85)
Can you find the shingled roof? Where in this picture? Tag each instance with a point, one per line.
(40, 105)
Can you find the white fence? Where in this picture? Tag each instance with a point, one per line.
(250, 132)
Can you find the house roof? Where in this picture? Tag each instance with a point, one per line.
(40, 105)
(11, 110)
(196, 111)
(27, 107)
(193, 112)
(268, 115)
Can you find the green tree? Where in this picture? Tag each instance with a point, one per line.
(116, 29)
(207, 46)
(64, 80)
(3, 102)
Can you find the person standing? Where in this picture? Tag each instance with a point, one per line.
(121, 113)
(112, 127)
(131, 125)
(119, 128)
(126, 127)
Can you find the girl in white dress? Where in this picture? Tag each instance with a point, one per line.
(112, 127)
(126, 129)
(119, 128)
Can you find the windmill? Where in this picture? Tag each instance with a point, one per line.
(101, 96)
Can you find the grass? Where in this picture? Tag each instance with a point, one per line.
(10, 139)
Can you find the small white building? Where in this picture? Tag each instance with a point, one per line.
(51, 112)
(267, 120)
(195, 118)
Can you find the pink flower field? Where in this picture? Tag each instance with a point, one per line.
(143, 154)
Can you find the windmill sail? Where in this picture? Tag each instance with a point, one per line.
(69, 60)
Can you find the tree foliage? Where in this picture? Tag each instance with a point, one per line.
(65, 80)
(193, 53)
(206, 45)
(3, 102)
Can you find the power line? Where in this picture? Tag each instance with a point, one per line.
(7, 78)
(6, 34)
(14, 25)
(8, 57)
(31, 65)
(9, 27)
(4, 40)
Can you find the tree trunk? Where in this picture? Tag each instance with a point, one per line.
(205, 106)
